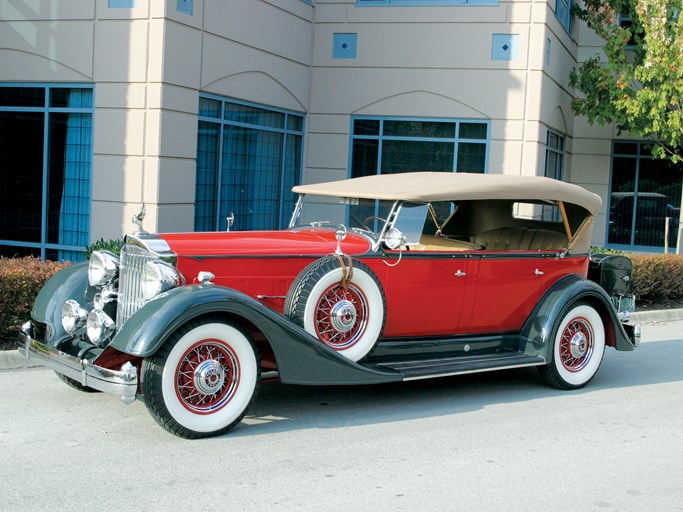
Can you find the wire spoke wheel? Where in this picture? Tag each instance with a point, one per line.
(341, 316)
(207, 376)
(578, 348)
(349, 321)
(576, 345)
(202, 380)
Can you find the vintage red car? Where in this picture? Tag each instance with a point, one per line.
(378, 279)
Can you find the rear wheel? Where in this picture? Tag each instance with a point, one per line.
(579, 345)
(201, 382)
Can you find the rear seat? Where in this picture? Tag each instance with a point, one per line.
(521, 239)
(440, 243)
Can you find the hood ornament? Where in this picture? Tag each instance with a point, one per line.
(137, 220)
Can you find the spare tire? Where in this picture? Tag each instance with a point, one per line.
(349, 321)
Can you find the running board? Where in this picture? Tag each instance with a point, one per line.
(413, 370)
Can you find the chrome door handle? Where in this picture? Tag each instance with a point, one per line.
(460, 273)
(538, 272)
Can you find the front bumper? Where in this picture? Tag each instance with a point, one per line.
(123, 383)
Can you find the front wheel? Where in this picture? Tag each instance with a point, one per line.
(579, 344)
(202, 380)
(75, 384)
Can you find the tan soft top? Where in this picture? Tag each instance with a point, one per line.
(447, 186)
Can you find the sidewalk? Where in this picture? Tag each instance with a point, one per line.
(12, 360)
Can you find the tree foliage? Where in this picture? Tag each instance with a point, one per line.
(638, 83)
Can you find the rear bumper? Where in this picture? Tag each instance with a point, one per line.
(123, 383)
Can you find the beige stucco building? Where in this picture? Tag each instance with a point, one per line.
(202, 108)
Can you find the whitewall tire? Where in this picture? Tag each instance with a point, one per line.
(348, 321)
(201, 382)
(578, 348)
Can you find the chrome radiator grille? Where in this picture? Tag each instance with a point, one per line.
(132, 266)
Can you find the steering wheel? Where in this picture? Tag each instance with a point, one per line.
(372, 217)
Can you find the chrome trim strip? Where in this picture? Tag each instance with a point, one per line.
(480, 370)
(123, 383)
(155, 244)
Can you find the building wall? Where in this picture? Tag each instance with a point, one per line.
(435, 62)
(148, 64)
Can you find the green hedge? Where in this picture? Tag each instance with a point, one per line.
(20, 281)
(657, 278)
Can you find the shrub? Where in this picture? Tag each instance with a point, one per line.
(657, 278)
(20, 281)
(105, 245)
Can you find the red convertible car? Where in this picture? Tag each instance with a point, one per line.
(378, 279)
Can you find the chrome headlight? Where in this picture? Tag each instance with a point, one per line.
(157, 278)
(99, 327)
(103, 268)
(73, 316)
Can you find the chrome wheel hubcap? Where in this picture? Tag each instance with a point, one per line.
(209, 377)
(343, 316)
(578, 345)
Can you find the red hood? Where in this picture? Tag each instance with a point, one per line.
(275, 243)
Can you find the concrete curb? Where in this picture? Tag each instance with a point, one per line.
(661, 315)
(12, 360)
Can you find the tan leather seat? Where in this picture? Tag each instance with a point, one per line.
(521, 239)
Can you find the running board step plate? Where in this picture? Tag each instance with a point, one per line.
(413, 370)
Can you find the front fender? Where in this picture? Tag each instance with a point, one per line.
(69, 283)
(540, 328)
(301, 358)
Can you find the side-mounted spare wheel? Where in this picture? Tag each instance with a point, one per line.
(347, 319)
(579, 345)
(201, 382)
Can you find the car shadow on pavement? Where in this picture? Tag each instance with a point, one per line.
(280, 407)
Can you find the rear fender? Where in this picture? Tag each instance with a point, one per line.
(301, 358)
(543, 322)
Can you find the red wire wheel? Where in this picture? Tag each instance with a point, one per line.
(348, 321)
(206, 376)
(341, 316)
(578, 348)
(203, 379)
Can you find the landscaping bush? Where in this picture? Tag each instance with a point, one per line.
(20, 281)
(657, 278)
(105, 245)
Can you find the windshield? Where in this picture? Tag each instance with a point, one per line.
(363, 214)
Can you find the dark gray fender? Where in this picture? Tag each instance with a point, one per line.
(69, 283)
(301, 358)
(546, 317)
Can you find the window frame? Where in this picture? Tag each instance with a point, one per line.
(285, 131)
(426, 3)
(564, 16)
(44, 246)
(456, 140)
(639, 156)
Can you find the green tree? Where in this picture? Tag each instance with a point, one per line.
(638, 83)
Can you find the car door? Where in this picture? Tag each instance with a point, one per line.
(508, 287)
(425, 292)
